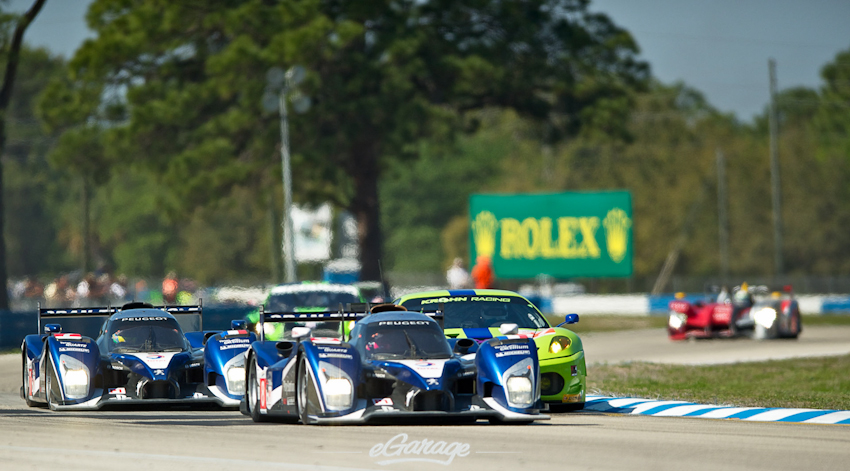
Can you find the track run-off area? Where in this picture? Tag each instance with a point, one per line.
(606, 439)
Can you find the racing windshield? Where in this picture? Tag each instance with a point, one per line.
(289, 302)
(145, 334)
(472, 312)
(403, 340)
(307, 301)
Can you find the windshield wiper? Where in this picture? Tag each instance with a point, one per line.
(410, 343)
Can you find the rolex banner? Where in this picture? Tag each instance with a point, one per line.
(563, 235)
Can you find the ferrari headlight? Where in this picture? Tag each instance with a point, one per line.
(765, 317)
(519, 391)
(559, 343)
(235, 379)
(677, 320)
(75, 376)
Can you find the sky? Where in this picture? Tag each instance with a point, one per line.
(719, 47)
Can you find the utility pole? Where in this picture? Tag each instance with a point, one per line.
(774, 172)
(722, 216)
(288, 244)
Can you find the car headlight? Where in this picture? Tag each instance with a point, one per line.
(677, 320)
(337, 387)
(765, 317)
(75, 376)
(338, 394)
(559, 343)
(235, 379)
(519, 391)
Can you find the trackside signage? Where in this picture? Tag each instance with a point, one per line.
(562, 235)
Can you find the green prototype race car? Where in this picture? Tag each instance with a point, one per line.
(477, 314)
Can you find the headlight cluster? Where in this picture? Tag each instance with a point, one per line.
(765, 317)
(337, 387)
(520, 391)
(75, 376)
(677, 320)
(235, 379)
(519, 383)
(559, 343)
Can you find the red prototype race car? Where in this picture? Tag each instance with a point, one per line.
(750, 312)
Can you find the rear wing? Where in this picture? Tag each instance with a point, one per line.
(69, 313)
(355, 312)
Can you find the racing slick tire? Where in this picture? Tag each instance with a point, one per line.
(306, 392)
(253, 393)
(795, 327)
(25, 392)
(49, 371)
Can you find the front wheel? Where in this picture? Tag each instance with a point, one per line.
(25, 384)
(49, 371)
(253, 393)
(308, 399)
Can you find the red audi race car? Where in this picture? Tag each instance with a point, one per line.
(753, 312)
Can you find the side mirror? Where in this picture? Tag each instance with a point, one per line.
(239, 324)
(570, 319)
(509, 329)
(52, 329)
(299, 333)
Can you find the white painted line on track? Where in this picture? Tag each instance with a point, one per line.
(57, 454)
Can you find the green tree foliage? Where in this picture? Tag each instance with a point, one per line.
(34, 191)
(177, 86)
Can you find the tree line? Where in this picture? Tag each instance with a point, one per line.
(149, 150)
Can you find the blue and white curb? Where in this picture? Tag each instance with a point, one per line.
(636, 406)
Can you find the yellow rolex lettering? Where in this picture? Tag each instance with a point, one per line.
(530, 235)
(512, 246)
(588, 234)
(567, 228)
(548, 248)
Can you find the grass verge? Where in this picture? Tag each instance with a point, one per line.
(817, 383)
(608, 323)
(612, 322)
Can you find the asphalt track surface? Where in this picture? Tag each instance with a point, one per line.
(34, 438)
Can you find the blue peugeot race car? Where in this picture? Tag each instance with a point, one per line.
(393, 365)
(141, 356)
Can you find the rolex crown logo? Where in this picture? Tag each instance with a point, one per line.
(484, 228)
(617, 224)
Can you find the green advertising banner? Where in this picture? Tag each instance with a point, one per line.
(563, 235)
